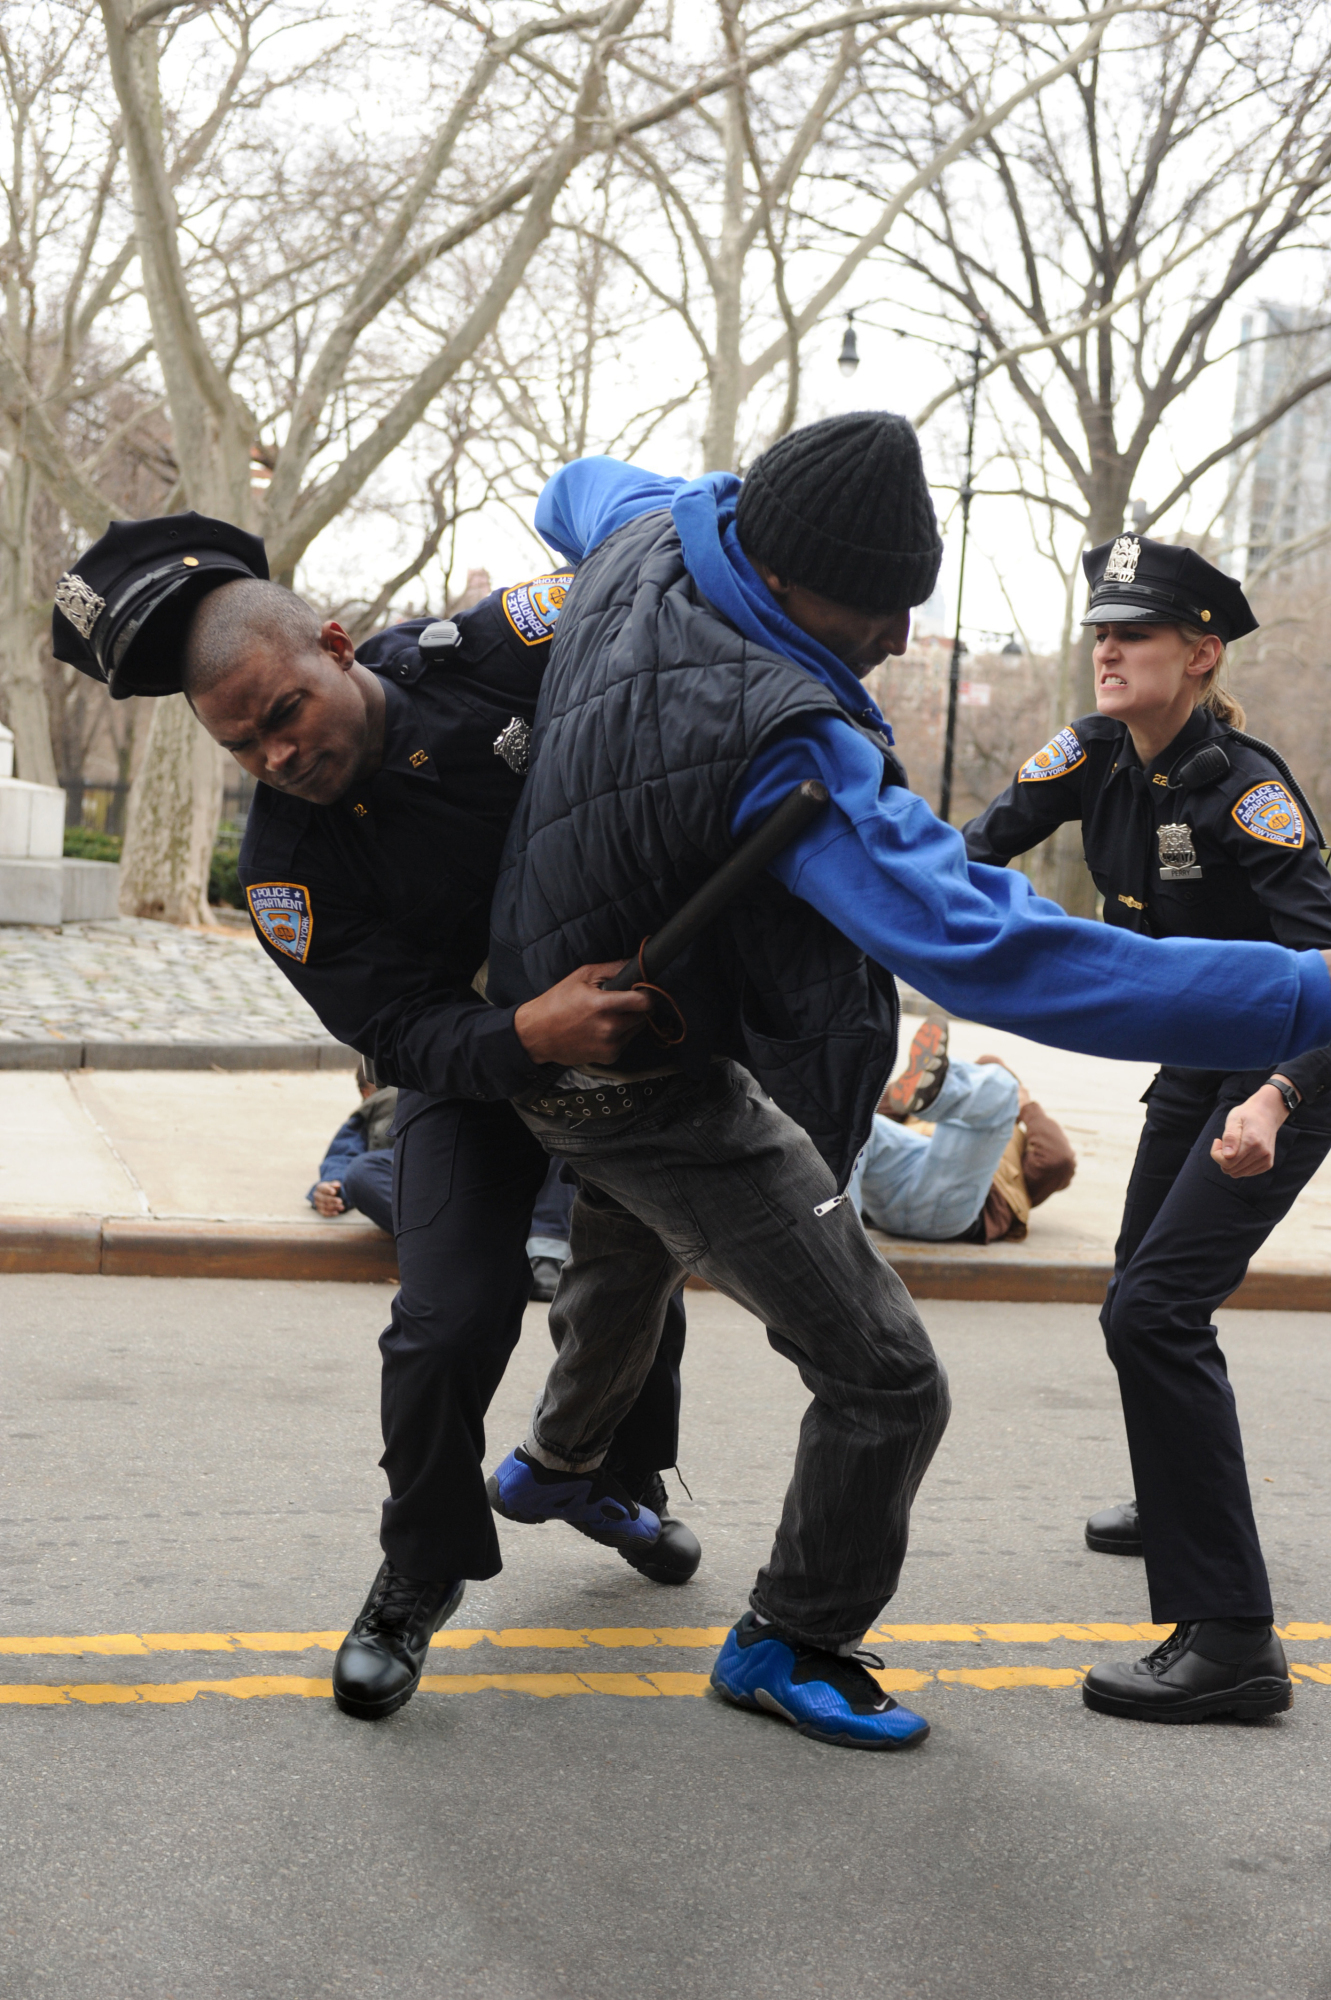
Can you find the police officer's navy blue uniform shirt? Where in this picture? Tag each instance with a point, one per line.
(377, 907)
(1249, 851)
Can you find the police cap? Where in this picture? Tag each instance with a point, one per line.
(122, 610)
(1135, 578)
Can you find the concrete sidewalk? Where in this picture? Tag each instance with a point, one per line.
(203, 1172)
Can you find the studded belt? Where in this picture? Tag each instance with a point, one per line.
(607, 1100)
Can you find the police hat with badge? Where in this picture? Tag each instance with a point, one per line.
(1134, 579)
(123, 609)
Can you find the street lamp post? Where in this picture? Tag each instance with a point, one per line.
(954, 670)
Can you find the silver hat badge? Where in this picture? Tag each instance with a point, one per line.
(1123, 560)
(78, 602)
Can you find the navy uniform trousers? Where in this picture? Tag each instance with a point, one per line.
(465, 1177)
(1188, 1234)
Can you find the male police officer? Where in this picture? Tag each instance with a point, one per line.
(387, 783)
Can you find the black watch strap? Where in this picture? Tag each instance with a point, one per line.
(1287, 1091)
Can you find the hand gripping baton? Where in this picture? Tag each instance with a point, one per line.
(796, 811)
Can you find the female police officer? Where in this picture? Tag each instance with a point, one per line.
(1190, 829)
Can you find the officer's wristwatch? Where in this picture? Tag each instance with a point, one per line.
(1287, 1092)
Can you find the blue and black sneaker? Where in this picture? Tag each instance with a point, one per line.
(830, 1696)
(598, 1506)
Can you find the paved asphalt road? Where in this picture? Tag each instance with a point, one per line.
(198, 1458)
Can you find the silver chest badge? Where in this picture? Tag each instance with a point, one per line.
(1123, 560)
(513, 744)
(1178, 862)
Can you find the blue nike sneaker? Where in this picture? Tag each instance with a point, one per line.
(830, 1696)
(596, 1505)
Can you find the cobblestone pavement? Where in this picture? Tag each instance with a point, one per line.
(131, 980)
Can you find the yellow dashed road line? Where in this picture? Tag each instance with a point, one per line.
(646, 1684)
(618, 1637)
(252, 1687)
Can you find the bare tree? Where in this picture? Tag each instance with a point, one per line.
(1096, 240)
(313, 294)
(67, 391)
(709, 249)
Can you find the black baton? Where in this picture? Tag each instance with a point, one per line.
(796, 811)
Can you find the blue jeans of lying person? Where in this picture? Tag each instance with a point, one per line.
(367, 1184)
(908, 1185)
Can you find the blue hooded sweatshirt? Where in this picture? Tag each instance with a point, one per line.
(894, 878)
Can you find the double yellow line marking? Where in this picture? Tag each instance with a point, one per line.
(648, 1684)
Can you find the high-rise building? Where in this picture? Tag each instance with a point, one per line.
(1282, 481)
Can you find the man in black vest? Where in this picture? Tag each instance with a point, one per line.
(708, 659)
(387, 778)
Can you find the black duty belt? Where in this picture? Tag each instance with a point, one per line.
(607, 1100)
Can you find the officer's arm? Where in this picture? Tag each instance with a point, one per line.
(1031, 808)
(376, 989)
(1294, 888)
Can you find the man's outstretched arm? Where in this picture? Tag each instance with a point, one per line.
(889, 874)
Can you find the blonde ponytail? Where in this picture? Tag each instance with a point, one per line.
(1224, 706)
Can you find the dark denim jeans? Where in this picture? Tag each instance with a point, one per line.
(712, 1178)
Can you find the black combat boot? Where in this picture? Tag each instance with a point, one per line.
(675, 1554)
(1210, 1666)
(1115, 1531)
(378, 1665)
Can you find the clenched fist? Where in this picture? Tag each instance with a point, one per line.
(577, 1022)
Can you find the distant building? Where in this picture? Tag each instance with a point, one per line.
(1283, 492)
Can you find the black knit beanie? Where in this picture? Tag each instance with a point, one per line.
(842, 507)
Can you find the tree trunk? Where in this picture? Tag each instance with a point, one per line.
(29, 715)
(1070, 881)
(20, 659)
(727, 284)
(176, 802)
(173, 813)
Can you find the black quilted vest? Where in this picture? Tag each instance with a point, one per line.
(651, 710)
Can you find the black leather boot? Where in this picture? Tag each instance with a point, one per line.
(1115, 1531)
(1212, 1666)
(378, 1665)
(675, 1554)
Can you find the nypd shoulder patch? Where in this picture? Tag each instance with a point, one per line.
(533, 609)
(282, 916)
(1057, 758)
(1269, 812)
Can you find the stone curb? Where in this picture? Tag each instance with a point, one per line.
(322, 1054)
(352, 1254)
(120, 1247)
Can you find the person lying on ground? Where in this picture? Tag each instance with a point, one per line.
(959, 1152)
(357, 1170)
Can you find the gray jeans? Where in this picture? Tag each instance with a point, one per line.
(712, 1178)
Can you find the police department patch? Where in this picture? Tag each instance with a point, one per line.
(282, 916)
(532, 609)
(1055, 760)
(1268, 812)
